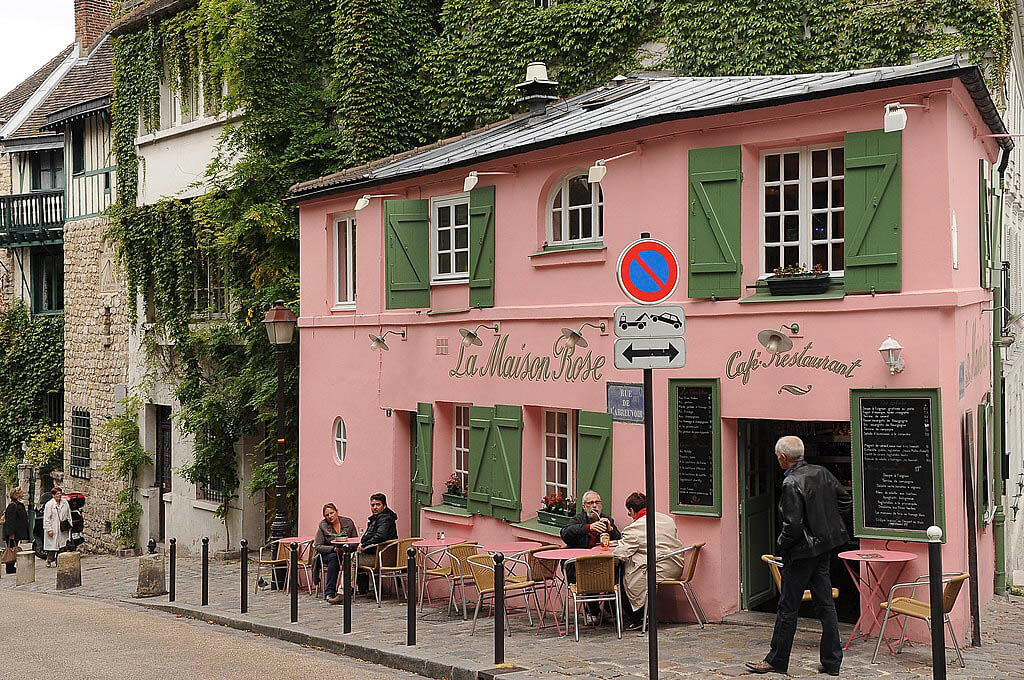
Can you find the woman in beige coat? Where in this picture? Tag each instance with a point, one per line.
(632, 550)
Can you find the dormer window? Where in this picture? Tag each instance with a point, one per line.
(576, 212)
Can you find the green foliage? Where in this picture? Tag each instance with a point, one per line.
(9, 469)
(46, 447)
(127, 455)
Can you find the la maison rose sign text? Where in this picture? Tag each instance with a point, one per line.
(562, 363)
(743, 366)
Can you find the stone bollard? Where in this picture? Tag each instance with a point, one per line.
(69, 570)
(152, 576)
(26, 566)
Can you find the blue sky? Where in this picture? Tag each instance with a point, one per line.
(31, 33)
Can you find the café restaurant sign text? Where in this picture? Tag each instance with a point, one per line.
(561, 364)
(738, 367)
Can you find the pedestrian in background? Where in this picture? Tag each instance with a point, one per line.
(812, 506)
(15, 524)
(56, 525)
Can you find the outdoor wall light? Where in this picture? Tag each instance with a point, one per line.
(774, 341)
(474, 176)
(575, 338)
(598, 170)
(895, 118)
(469, 337)
(891, 351)
(280, 324)
(364, 200)
(378, 342)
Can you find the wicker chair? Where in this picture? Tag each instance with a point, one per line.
(458, 562)
(921, 609)
(276, 557)
(595, 582)
(397, 570)
(775, 564)
(686, 582)
(428, 566)
(482, 567)
(384, 556)
(545, 574)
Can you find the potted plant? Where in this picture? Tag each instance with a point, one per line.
(454, 493)
(796, 279)
(557, 510)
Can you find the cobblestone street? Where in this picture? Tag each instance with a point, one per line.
(446, 649)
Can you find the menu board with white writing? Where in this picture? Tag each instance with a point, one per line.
(896, 462)
(696, 464)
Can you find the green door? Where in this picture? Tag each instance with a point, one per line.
(421, 437)
(757, 515)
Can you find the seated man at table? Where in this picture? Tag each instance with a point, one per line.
(632, 550)
(332, 526)
(585, 529)
(381, 526)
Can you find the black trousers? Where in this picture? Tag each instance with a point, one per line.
(333, 569)
(797, 576)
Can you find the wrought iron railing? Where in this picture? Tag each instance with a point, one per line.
(35, 217)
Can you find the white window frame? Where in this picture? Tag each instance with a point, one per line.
(462, 472)
(340, 442)
(596, 211)
(350, 226)
(806, 211)
(568, 489)
(207, 286)
(444, 202)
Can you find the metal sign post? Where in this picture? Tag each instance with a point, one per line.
(652, 574)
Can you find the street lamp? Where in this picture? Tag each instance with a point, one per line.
(280, 325)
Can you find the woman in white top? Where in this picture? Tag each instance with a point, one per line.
(55, 512)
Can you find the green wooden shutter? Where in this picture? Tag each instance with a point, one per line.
(873, 211)
(407, 254)
(481, 247)
(478, 495)
(506, 449)
(714, 223)
(984, 226)
(423, 479)
(983, 470)
(594, 454)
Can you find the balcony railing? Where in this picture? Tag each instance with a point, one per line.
(31, 218)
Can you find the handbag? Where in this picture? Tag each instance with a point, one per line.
(10, 556)
(65, 526)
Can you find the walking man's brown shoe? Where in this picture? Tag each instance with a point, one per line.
(763, 667)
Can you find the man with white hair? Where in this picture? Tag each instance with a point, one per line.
(813, 505)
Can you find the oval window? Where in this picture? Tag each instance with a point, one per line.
(340, 441)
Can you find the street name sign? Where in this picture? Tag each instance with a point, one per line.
(650, 353)
(643, 321)
(648, 271)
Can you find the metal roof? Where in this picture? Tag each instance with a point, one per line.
(666, 99)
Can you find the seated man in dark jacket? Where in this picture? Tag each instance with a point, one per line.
(381, 526)
(584, 531)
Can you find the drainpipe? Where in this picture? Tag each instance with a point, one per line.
(999, 518)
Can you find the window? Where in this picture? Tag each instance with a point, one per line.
(81, 443)
(544, 4)
(78, 146)
(340, 441)
(577, 212)
(208, 295)
(559, 465)
(460, 445)
(345, 261)
(802, 216)
(451, 238)
(47, 170)
(47, 270)
(212, 493)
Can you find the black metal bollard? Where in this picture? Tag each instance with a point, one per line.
(244, 563)
(499, 608)
(346, 577)
(206, 571)
(174, 556)
(293, 581)
(935, 595)
(410, 595)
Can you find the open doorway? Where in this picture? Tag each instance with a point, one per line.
(826, 443)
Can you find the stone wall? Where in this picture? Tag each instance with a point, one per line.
(96, 326)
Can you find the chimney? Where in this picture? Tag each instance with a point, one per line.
(537, 90)
(91, 19)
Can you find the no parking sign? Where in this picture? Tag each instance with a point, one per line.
(648, 271)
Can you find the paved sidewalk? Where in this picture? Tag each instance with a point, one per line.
(445, 648)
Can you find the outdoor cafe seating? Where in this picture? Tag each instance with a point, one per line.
(908, 607)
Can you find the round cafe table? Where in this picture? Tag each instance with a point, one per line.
(432, 543)
(351, 540)
(870, 586)
(560, 555)
(434, 550)
(288, 542)
(512, 549)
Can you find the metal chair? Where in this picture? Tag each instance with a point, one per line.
(775, 564)
(398, 570)
(429, 566)
(686, 582)
(921, 609)
(280, 559)
(384, 554)
(482, 567)
(458, 561)
(545, 574)
(595, 582)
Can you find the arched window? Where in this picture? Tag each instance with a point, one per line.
(576, 212)
(340, 441)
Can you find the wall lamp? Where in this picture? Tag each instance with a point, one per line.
(474, 176)
(575, 339)
(598, 170)
(378, 342)
(895, 118)
(364, 200)
(891, 351)
(469, 337)
(774, 341)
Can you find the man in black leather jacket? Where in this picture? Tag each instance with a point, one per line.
(813, 506)
(381, 526)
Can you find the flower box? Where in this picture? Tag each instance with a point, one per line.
(800, 284)
(454, 499)
(553, 519)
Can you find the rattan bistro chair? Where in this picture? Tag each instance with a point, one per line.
(775, 564)
(397, 570)
(686, 582)
(921, 609)
(482, 567)
(272, 556)
(461, 574)
(595, 582)
(383, 556)
(544, 574)
(429, 566)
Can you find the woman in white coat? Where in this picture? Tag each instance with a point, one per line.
(55, 511)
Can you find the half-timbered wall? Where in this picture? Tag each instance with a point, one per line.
(91, 187)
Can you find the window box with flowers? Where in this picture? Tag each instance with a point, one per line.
(454, 494)
(798, 280)
(557, 510)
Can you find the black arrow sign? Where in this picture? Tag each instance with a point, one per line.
(671, 352)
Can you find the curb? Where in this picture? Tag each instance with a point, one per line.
(405, 660)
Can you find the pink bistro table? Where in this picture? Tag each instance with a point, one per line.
(288, 541)
(560, 555)
(512, 549)
(870, 586)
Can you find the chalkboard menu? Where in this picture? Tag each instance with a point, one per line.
(897, 461)
(696, 450)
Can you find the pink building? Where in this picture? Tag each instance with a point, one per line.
(739, 176)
